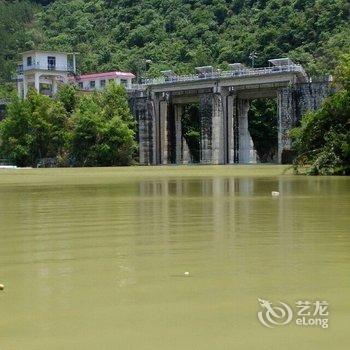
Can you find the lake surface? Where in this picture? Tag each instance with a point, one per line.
(95, 258)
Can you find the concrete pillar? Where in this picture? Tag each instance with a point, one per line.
(142, 109)
(54, 86)
(143, 139)
(155, 131)
(247, 153)
(37, 82)
(74, 63)
(286, 121)
(178, 133)
(163, 117)
(19, 89)
(205, 110)
(230, 105)
(25, 86)
(217, 129)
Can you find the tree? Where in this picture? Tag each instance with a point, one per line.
(114, 100)
(67, 94)
(17, 26)
(33, 129)
(103, 129)
(15, 138)
(87, 132)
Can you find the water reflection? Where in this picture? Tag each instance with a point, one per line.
(92, 258)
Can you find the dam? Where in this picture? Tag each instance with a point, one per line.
(224, 99)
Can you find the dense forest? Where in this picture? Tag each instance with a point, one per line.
(176, 34)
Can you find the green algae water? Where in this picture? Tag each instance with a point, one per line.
(96, 258)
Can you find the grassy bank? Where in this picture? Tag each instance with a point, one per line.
(81, 176)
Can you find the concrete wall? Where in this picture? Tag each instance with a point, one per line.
(309, 97)
(293, 103)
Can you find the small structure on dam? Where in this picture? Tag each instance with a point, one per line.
(224, 99)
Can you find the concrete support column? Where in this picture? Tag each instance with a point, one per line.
(37, 82)
(230, 105)
(218, 139)
(25, 86)
(54, 86)
(163, 111)
(247, 153)
(286, 121)
(74, 63)
(19, 89)
(143, 112)
(155, 131)
(143, 139)
(205, 110)
(178, 133)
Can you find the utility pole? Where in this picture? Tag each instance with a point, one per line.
(253, 56)
(143, 68)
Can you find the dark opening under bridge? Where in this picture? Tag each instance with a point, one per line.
(224, 99)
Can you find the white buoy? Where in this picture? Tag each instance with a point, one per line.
(186, 273)
(275, 193)
(2, 287)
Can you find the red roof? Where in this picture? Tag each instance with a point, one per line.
(114, 74)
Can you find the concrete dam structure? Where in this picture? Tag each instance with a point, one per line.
(224, 99)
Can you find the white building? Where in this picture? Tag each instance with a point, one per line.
(44, 71)
(98, 81)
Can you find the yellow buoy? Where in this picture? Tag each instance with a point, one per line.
(2, 287)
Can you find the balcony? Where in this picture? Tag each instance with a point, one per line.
(49, 67)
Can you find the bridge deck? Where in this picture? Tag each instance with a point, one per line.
(222, 75)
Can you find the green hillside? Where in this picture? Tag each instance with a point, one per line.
(178, 34)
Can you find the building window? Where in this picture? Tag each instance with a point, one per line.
(51, 62)
(92, 84)
(80, 85)
(103, 83)
(20, 69)
(124, 82)
(29, 61)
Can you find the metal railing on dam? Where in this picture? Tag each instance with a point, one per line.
(236, 73)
